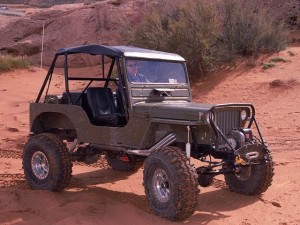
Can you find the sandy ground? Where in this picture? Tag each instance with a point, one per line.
(100, 195)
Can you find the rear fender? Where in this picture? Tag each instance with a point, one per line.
(48, 121)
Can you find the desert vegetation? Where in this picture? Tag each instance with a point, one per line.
(209, 33)
(8, 62)
(272, 62)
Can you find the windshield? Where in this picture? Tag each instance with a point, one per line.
(146, 71)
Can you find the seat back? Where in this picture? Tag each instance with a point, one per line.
(100, 101)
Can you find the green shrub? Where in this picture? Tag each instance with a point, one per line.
(268, 65)
(208, 33)
(278, 59)
(8, 62)
(248, 28)
(189, 29)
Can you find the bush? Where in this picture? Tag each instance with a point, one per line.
(268, 65)
(189, 29)
(208, 33)
(277, 59)
(248, 28)
(8, 62)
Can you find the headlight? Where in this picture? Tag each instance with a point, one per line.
(212, 117)
(232, 142)
(243, 114)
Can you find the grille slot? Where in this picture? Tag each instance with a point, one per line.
(227, 119)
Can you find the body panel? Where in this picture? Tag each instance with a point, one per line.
(173, 110)
(87, 132)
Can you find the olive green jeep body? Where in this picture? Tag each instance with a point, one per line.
(151, 120)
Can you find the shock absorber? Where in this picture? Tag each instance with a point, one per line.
(188, 144)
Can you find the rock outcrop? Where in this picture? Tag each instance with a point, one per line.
(100, 23)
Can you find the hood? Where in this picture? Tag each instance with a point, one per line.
(172, 110)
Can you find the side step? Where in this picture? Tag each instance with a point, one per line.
(167, 140)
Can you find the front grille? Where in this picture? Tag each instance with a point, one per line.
(227, 119)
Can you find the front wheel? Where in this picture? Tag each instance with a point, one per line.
(254, 179)
(170, 183)
(47, 163)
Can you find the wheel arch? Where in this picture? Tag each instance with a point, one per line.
(53, 122)
(157, 131)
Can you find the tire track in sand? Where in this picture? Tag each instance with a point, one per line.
(12, 179)
(18, 179)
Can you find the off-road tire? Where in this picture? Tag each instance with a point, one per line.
(58, 166)
(182, 184)
(259, 181)
(119, 165)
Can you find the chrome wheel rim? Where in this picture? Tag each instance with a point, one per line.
(161, 185)
(40, 165)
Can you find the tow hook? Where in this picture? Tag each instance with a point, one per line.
(250, 156)
(239, 161)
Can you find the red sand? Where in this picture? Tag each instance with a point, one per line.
(105, 196)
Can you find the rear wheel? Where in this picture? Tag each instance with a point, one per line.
(47, 163)
(252, 180)
(171, 184)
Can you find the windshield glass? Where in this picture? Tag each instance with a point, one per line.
(146, 71)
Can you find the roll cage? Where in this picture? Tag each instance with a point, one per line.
(102, 51)
(115, 53)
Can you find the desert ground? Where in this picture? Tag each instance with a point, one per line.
(99, 195)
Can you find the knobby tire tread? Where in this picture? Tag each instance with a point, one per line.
(261, 180)
(61, 168)
(186, 200)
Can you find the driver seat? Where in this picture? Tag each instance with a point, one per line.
(102, 108)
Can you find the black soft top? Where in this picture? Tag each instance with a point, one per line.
(120, 51)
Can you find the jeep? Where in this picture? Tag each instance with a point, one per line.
(135, 106)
